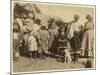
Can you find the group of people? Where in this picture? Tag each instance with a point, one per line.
(58, 39)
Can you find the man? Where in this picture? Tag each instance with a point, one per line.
(73, 26)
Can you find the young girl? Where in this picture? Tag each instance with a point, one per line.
(63, 50)
(32, 44)
(43, 37)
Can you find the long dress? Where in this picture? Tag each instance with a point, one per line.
(53, 34)
(15, 40)
(87, 40)
(32, 43)
(43, 37)
(53, 40)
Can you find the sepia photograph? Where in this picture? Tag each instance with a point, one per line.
(52, 37)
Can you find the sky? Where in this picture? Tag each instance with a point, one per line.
(66, 12)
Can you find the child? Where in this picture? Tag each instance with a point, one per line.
(43, 37)
(62, 46)
(32, 44)
(75, 45)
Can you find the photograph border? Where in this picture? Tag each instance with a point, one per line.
(50, 71)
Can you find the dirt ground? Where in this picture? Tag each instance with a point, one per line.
(30, 65)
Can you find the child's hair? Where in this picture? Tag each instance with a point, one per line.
(38, 21)
(43, 28)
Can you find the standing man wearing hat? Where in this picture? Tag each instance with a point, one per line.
(73, 26)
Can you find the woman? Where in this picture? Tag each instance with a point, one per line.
(53, 32)
(88, 36)
(16, 41)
